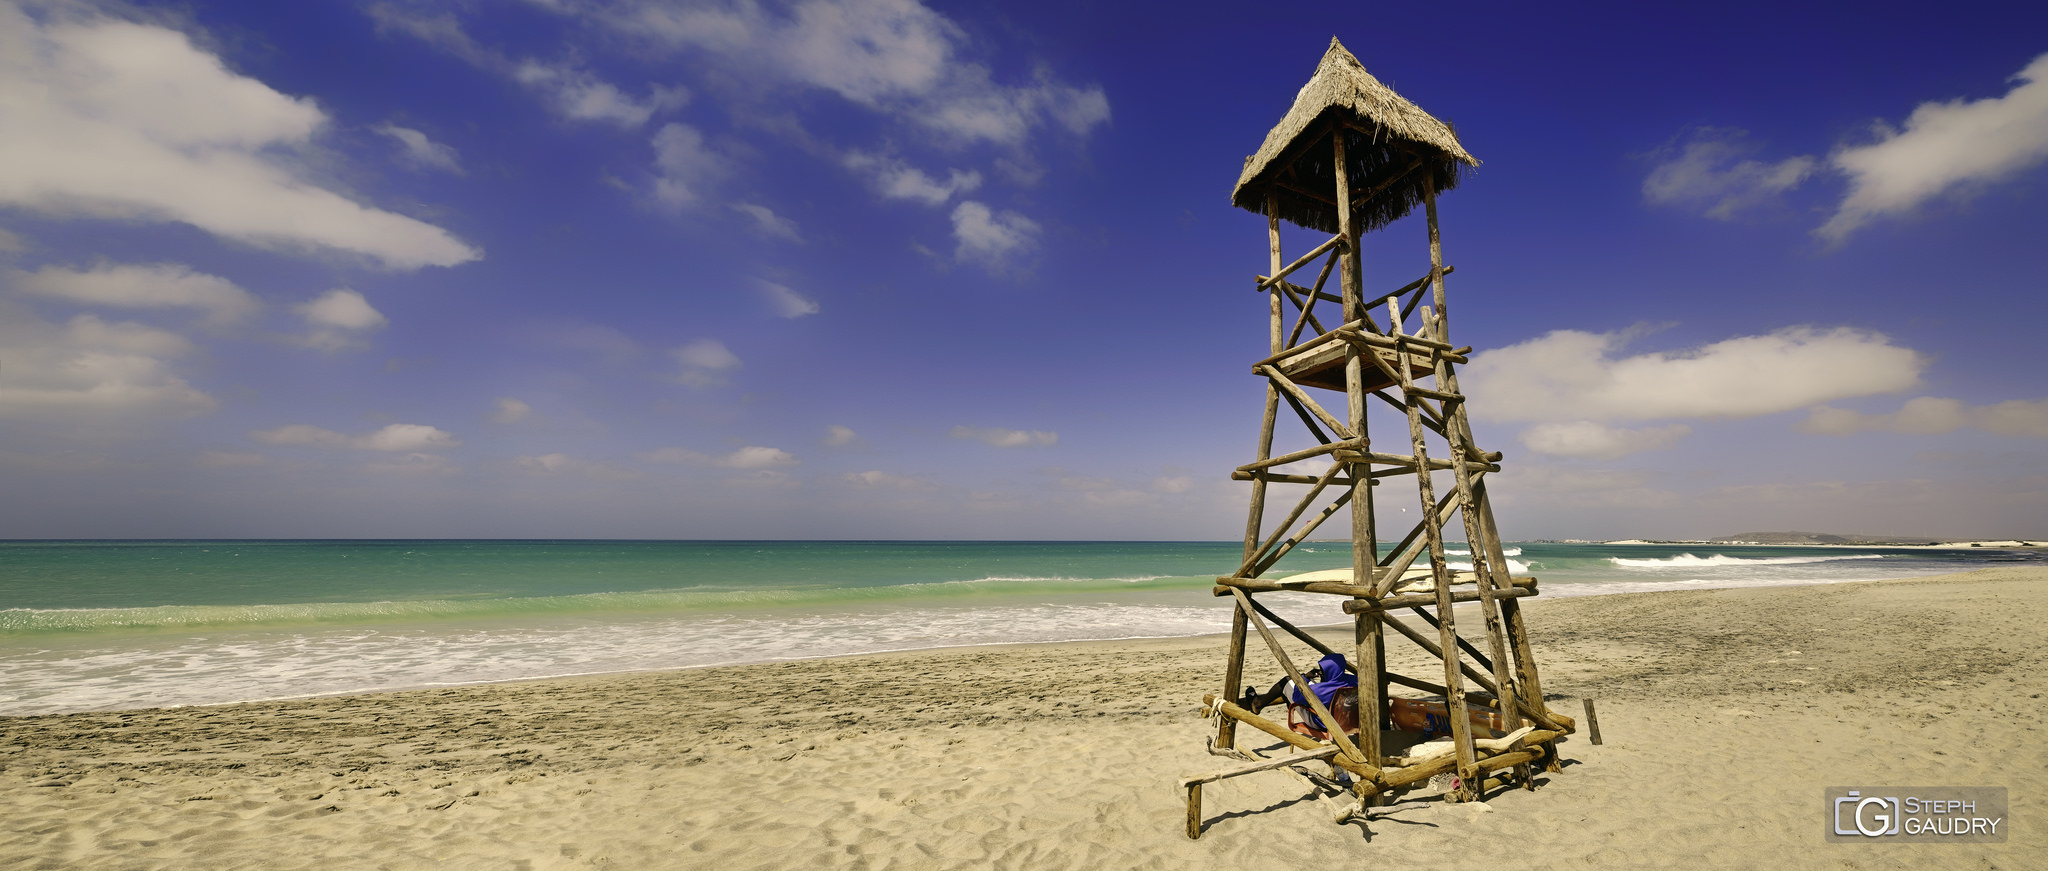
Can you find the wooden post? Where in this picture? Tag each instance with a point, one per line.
(1233, 678)
(1364, 550)
(1454, 703)
(1233, 674)
(1592, 723)
(1195, 807)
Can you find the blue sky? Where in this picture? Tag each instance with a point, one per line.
(883, 269)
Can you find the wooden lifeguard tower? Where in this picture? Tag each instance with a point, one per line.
(1349, 157)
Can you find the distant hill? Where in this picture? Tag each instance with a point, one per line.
(1818, 538)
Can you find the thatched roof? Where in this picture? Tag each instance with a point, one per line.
(1387, 139)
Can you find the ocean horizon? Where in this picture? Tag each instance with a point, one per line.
(100, 625)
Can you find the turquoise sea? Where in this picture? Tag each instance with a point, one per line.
(96, 625)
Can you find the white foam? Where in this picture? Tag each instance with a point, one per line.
(156, 670)
(1688, 561)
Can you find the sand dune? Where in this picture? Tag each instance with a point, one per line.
(1725, 713)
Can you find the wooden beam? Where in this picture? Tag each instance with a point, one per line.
(1295, 392)
(1296, 456)
(1299, 262)
(1336, 732)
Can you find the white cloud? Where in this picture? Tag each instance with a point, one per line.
(92, 366)
(684, 165)
(1173, 483)
(393, 438)
(125, 337)
(704, 363)
(756, 457)
(1929, 415)
(1946, 146)
(545, 463)
(510, 410)
(749, 458)
(161, 285)
(787, 303)
(1712, 172)
(997, 437)
(896, 180)
(991, 238)
(767, 223)
(580, 96)
(338, 319)
(837, 436)
(344, 309)
(877, 479)
(896, 57)
(114, 119)
(560, 463)
(408, 437)
(1596, 441)
(570, 91)
(1569, 375)
(421, 152)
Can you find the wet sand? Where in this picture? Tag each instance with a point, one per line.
(1726, 713)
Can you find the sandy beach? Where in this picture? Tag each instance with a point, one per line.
(1725, 714)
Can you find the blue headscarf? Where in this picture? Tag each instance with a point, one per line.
(1334, 678)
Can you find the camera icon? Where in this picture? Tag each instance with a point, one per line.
(1870, 816)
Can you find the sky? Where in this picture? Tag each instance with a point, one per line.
(884, 269)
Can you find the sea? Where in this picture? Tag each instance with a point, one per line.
(110, 625)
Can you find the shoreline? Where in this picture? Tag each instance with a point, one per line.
(1067, 753)
(1554, 592)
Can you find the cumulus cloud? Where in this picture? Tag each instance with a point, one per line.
(116, 119)
(1929, 415)
(756, 457)
(393, 438)
(896, 57)
(339, 318)
(1713, 172)
(91, 366)
(684, 166)
(420, 152)
(509, 410)
(991, 238)
(160, 285)
(837, 436)
(896, 180)
(705, 363)
(1598, 441)
(1571, 375)
(1952, 146)
(997, 437)
(767, 223)
(787, 303)
(749, 458)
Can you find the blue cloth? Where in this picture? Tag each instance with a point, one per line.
(1334, 678)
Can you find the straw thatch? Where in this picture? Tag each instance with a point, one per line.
(1385, 137)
